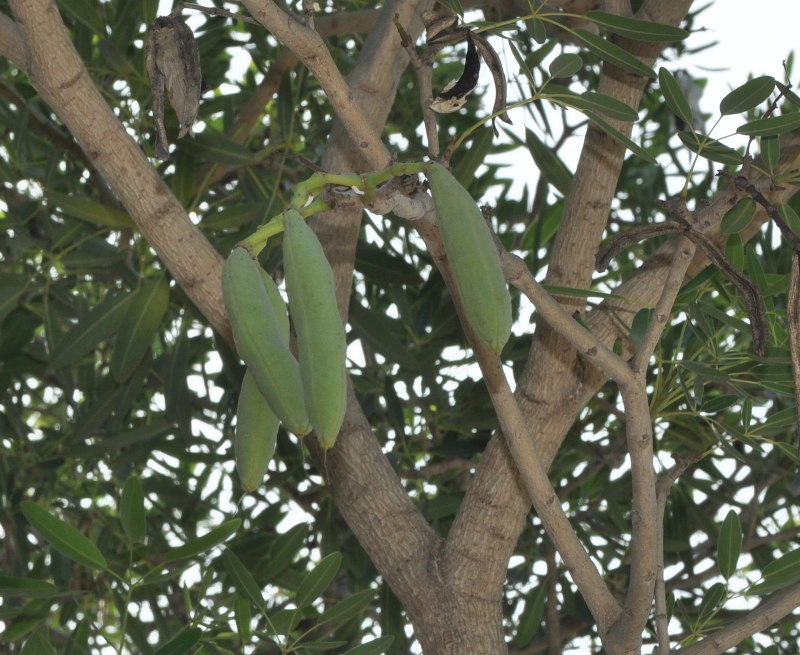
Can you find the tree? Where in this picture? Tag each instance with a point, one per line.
(652, 425)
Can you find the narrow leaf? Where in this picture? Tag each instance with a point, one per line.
(181, 643)
(138, 329)
(38, 643)
(550, 166)
(63, 537)
(283, 551)
(790, 217)
(91, 211)
(613, 54)
(206, 542)
(348, 608)
(633, 28)
(739, 216)
(751, 94)
(770, 147)
(12, 587)
(318, 579)
(242, 579)
(710, 149)
(374, 647)
(131, 510)
(619, 136)
(606, 105)
(674, 97)
(773, 125)
(729, 544)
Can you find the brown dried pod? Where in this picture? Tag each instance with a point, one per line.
(173, 58)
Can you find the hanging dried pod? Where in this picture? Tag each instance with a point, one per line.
(173, 59)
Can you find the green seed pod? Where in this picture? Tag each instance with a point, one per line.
(256, 434)
(321, 343)
(258, 334)
(473, 258)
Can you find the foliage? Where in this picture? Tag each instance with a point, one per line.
(125, 527)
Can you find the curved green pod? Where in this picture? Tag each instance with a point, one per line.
(257, 331)
(256, 434)
(321, 342)
(473, 258)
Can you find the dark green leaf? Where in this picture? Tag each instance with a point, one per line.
(84, 12)
(565, 65)
(205, 543)
(537, 30)
(348, 608)
(739, 216)
(219, 149)
(774, 125)
(181, 643)
(673, 96)
(318, 579)
(779, 573)
(102, 321)
(531, 617)
(11, 587)
(751, 94)
(10, 292)
(718, 404)
(633, 28)
(283, 551)
(374, 647)
(242, 579)
(380, 265)
(711, 601)
(729, 544)
(710, 149)
(606, 105)
(613, 54)
(639, 325)
(770, 150)
(38, 643)
(89, 210)
(63, 537)
(131, 510)
(790, 217)
(78, 642)
(470, 159)
(550, 166)
(139, 327)
(619, 136)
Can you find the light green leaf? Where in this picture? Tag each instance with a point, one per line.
(613, 54)
(374, 647)
(205, 543)
(101, 321)
(131, 510)
(739, 216)
(139, 327)
(773, 125)
(673, 96)
(729, 544)
(13, 587)
(565, 65)
(242, 579)
(751, 94)
(63, 537)
(318, 579)
(633, 28)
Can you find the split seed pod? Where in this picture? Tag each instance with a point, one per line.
(173, 58)
(260, 339)
(321, 342)
(473, 258)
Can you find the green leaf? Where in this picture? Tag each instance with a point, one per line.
(729, 544)
(710, 149)
(565, 65)
(318, 579)
(374, 647)
(470, 159)
(141, 323)
(181, 643)
(550, 166)
(790, 217)
(244, 615)
(205, 543)
(633, 28)
(283, 551)
(674, 97)
(91, 211)
(10, 292)
(242, 579)
(606, 105)
(537, 30)
(739, 216)
(711, 601)
(531, 617)
(84, 12)
(83, 337)
(131, 510)
(718, 404)
(12, 587)
(219, 149)
(78, 642)
(639, 325)
(613, 54)
(63, 537)
(770, 147)
(751, 94)
(379, 265)
(38, 643)
(779, 573)
(348, 608)
(768, 126)
(619, 136)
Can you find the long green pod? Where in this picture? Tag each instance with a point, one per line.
(255, 436)
(257, 332)
(473, 258)
(321, 342)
